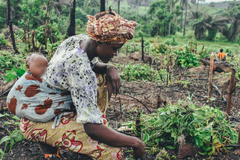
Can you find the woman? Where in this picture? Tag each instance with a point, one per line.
(73, 72)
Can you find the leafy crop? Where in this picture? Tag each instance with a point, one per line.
(160, 48)
(14, 73)
(8, 60)
(204, 127)
(143, 72)
(186, 58)
(14, 136)
(2, 40)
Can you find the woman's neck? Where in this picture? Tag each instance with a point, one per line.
(89, 46)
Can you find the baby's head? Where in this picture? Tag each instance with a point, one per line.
(36, 64)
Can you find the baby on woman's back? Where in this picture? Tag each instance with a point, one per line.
(36, 64)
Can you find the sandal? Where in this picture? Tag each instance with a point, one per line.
(54, 156)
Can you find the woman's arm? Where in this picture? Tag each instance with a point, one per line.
(100, 68)
(111, 75)
(110, 137)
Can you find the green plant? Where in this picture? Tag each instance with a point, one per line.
(14, 136)
(174, 43)
(160, 48)
(186, 57)
(143, 72)
(205, 127)
(8, 60)
(2, 40)
(14, 73)
(184, 82)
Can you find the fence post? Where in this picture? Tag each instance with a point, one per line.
(210, 76)
(142, 50)
(231, 88)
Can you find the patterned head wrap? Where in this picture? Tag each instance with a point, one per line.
(110, 28)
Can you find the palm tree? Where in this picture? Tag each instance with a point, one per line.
(202, 24)
(234, 17)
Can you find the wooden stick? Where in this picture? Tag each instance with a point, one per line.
(120, 107)
(139, 102)
(35, 38)
(45, 34)
(28, 34)
(180, 75)
(25, 38)
(174, 63)
(210, 75)
(231, 88)
(142, 50)
(33, 41)
(221, 95)
(239, 137)
(138, 126)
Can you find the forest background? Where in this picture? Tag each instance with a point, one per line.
(215, 25)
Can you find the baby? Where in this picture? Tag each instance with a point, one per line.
(36, 64)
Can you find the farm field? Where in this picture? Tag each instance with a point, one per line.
(180, 93)
(141, 96)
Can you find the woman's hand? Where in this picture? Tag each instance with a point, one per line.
(139, 150)
(113, 77)
(103, 134)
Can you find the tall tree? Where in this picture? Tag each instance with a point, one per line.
(71, 27)
(102, 5)
(118, 6)
(185, 3)
(160, 10)
(231, 32)
(9, 23)
(212, 24)
(169, 26)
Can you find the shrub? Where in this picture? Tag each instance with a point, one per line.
(142, 72)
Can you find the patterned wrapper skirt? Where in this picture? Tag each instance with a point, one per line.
(68, 134)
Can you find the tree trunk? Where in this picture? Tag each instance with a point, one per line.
(184, 29)
(181, 20)
(71, 27)
(197, 8)
(137, 7)
(102, 6)
(118, 6)
(169, 26)
(9, 23)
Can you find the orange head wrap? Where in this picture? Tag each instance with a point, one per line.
(110, 28)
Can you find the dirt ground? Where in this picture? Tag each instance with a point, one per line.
(142, 96)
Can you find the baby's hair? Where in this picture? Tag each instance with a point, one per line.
(221, 50)
(31, 54)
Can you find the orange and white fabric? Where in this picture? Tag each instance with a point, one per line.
(110, 29)
(70, 135)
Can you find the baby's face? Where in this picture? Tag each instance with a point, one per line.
(37, 65)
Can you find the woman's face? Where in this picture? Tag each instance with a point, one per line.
(106, 51)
